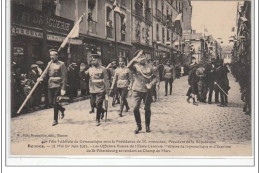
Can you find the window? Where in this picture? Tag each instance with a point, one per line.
(123, 28)
(123, 3)
(91, 9)
(109, 23)
(163, 36)
(168, 35)
(157, 32)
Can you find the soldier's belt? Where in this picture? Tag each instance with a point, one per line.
(55, 78)
(97, 80)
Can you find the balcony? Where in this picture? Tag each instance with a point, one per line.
(139, 13)
(159, 14)
(92, 27)
(109, 32)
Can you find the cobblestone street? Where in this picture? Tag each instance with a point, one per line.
(172, 119)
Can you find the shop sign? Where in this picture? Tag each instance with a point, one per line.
(36, 34)
(27, 32)
(18, 51)
(26, 16)
(58, 38)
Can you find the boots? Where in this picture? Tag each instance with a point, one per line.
(148, 129)
(138, 129)
(62, 113)
(194, 102)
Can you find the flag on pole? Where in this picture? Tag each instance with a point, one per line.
(233, 29)
(178, 18)
(116, 7)
(205, 30)
(73, 33)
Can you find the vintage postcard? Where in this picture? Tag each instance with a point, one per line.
(131, 79)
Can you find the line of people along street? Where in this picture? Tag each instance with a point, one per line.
(140, 78)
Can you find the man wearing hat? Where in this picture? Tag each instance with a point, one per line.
(123, 81)
(57, 81)
(169, 76)
(43, 86)
(111, 68)
(40, 67)
(145, 78)
(33, 75)
(98, 85)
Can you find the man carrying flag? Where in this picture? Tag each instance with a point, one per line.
(56, 71)
(57, 81)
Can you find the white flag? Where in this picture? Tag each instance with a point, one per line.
(73, 33)
(178, 17)
(116, 7)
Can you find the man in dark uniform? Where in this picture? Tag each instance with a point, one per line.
(193, 82)
(98, 85)
(56, 83)
(145, 78)
(33, 74)
(222, 83)
(210, 78)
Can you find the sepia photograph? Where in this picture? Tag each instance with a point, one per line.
(131, 78)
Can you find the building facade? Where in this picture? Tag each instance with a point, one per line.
(153, 25)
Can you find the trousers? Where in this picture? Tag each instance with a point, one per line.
(97, 101)
(53, 93)
(138, 97)
(168, 81)
(123, 102)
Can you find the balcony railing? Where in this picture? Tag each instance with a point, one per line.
(92, 27)
(139, 12)
(158, 14)
(109, 32)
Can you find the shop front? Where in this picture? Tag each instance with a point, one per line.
(33, 34)
(162, 53)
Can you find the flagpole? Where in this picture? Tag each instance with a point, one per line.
(46, 69)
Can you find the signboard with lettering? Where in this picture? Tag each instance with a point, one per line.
(26, 32)
(25, 16)
(38, 34)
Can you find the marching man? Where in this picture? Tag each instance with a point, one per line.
(56, 83)
(123, 81)
(145, 78)
(98, 85)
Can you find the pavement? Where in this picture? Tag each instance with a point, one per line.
(177, 126)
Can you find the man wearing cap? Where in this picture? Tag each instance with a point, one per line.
(56, 84)
(111, 68)
(33, 75)
(123, 81)
(145, 78)
(40, 67)
(169, 76)
(98, 85)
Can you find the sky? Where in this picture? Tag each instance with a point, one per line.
(218, 17)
